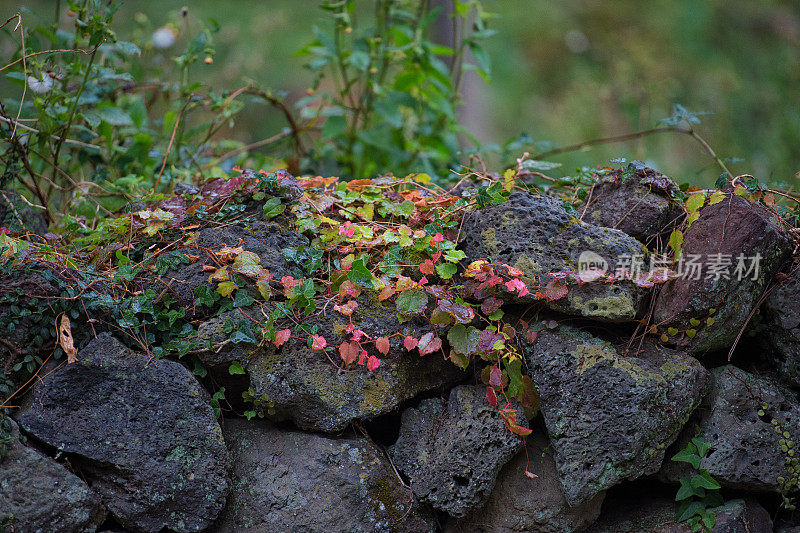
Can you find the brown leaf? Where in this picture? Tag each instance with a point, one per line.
(65, 339)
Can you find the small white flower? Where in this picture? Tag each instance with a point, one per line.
(40, 86)
(163, 37)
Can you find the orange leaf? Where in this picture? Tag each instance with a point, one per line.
(358, 185)
(382, 344)
(387, 292)
(510, 418)
(346, 309)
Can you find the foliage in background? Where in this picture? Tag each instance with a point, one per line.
(561, 71)
(96, 123)
(389, 94)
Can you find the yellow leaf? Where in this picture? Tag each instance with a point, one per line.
(226, 288)
(65, 339)
(716, 197)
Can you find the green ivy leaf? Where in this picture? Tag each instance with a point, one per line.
(412, 302)
(273, 207)
(716, 197)
(676, 241)
(248, 264)
(236, 368)
(687, 456)
(359, 274)
(463, 340)
(446, 270)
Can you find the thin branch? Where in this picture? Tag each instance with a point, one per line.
(59, 51)
(19, 124)
(237, 151)
(636, 135)
(171, 141)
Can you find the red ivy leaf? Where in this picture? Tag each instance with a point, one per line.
(439, 291)
(382, 344)
(410, 342)
(510, 418)
(429, 343)
(462, 313)
(281, 337)
(490, 305)
(426, 267)
(349, 352)
(491, 397)
(373, 363)
(347, 288)
(318, 342)
(496, 377)
(555, 290)
(531, 335)
(487, 340)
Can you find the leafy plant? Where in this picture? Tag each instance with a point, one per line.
(698, 493)
(386, 93)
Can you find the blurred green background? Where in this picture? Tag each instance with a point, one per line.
(562, 71)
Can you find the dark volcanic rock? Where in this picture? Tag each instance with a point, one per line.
(452, 451)
(639, 201)
(782, 332)
(733, 227)
(610, 417)
(218, 344)
(43, 495)
(746, 447)
(306, 387)
(142, 431)
(536, 235)
(265, 240)
(654, 515)
(295, 481)
(521, 504)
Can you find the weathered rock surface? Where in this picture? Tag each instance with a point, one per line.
(453, 450)
(655, 515)
(295, 481)
(521, 504)
(639, 201)
(782, 332)
(536, 235)
(226, 338)
(610, 417)
(142, 432)
(746, 448)
(733, 227)
(267, 240)
(306, 387)
(43, 495)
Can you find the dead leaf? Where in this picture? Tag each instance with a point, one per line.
(65, 339)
